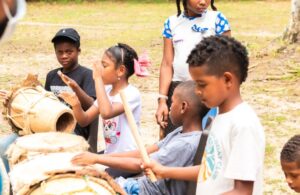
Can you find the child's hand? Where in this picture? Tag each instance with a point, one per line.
(155, 167)
(97, 70)
(86, 158)
(67, 80)
(70, 98)
(162, 115)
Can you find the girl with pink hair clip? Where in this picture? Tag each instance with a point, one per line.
(111, 75)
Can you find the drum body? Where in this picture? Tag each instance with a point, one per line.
(55, 174)
(30, 146)
(33, 110)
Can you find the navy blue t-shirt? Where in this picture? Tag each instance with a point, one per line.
(83, 76)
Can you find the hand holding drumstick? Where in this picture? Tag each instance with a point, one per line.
(136, 136)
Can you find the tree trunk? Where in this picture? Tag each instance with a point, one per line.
(292, 33)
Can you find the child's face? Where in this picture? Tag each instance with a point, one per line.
(109, 72)
(67, 54)
(211, 89)
(196, 7)
(175, 109)
(292, 174)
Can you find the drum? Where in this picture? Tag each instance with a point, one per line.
(33, 109)
(54, 174)
(75, 184)
(30, 146)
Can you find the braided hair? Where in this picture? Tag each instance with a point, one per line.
(221, 54)
(184, 3)
(291, 150)
(123, 54)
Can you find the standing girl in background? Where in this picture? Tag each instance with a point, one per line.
(117, 65)
(181, 34)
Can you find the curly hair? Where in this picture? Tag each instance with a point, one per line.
(291, 150)
(123, 54)
(184, 4)
(221, 54)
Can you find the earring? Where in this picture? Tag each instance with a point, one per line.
(119, 78)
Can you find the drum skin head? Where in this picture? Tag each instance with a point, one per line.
(71, 184)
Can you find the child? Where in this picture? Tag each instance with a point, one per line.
(181, 33)
(67, 48)
(290, 162)
(78, 78)
(177, 149)
(233, 158)
(118, 64)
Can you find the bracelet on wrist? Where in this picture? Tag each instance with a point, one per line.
(161, 96)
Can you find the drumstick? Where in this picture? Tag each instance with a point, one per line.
(135, 133)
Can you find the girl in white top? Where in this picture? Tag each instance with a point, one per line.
(181, 34)
(111, 75)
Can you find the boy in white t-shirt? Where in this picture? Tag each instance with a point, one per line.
(181, 33)
(233, 159)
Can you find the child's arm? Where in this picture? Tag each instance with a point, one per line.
(135, 153)
(124, 163)
(89, 158)
(85, 100)
(241, 188)
(165, 78)
(83, 118)
(179, 173)
(106, 109)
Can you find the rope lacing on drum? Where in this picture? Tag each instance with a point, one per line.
(27, 111)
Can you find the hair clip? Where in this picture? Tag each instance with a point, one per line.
(140, 65)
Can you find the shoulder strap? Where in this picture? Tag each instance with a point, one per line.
(191, 189)
(201, 148)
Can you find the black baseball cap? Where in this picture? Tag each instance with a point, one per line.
(69, 33)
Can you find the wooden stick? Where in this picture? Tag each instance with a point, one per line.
(135, 133)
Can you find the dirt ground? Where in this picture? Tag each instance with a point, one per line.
(272, 87)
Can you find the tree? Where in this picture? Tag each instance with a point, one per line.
(292, 33)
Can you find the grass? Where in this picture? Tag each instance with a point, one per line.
(104, 23)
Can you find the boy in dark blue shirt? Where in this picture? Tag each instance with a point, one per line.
(76, 78)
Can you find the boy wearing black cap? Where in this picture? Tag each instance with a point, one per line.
(76, 78)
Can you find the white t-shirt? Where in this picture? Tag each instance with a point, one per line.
(234, 151)
(186, 32)
(117, 133)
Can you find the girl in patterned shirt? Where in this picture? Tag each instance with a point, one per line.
(181, 34)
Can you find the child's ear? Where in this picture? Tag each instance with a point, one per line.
(228, 78)
(121, 71)
(79, 50)
(184, 106)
